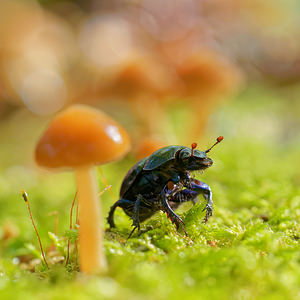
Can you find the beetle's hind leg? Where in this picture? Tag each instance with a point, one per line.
(124, 204)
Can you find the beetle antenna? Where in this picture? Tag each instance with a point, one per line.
(194, 145)
(219, 139)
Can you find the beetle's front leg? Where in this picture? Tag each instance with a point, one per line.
(175, 219)
(203, 188)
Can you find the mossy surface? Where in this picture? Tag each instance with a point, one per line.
(249, 249)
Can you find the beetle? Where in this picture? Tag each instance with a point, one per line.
(162, 181)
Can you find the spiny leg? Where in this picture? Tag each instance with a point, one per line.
(195, 188)
(185, 196)
(175, 219)
(203, 188)
(131, 232)
(143, 209)
(136, 216)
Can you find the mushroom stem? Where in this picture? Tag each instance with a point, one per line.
(92, 259)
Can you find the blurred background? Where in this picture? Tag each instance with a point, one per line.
(141, 61)
(171, 72)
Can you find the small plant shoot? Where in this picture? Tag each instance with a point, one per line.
(25, 197)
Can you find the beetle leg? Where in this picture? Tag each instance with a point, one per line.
(136, 212)
(131, 232)
(175, 219)
(203, 188)
(185, 196)
(123, 203)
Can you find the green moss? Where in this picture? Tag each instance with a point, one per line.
(249, 249)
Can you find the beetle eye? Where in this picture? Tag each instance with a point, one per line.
(184, 155)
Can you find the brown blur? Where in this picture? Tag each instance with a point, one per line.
(136, 59)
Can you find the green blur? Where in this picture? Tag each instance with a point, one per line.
(249, 249)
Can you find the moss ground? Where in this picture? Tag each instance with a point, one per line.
(249, 249)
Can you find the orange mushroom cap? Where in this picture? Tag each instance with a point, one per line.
(148, 146)
(81, 135)
(207, 73)
(141, 75)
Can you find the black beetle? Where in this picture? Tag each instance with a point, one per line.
(162, 181)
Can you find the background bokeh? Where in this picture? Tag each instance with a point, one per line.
(139, 60)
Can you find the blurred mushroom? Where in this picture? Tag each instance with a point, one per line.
(79, 138)
(207, 77)
(143, 82)
(37, 54)
(147, 146)
(9, 231)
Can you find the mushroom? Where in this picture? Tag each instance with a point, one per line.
(148, 146)
(144, 83)
(207, 79)
(79, 138)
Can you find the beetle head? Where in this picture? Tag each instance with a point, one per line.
(191, 159)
